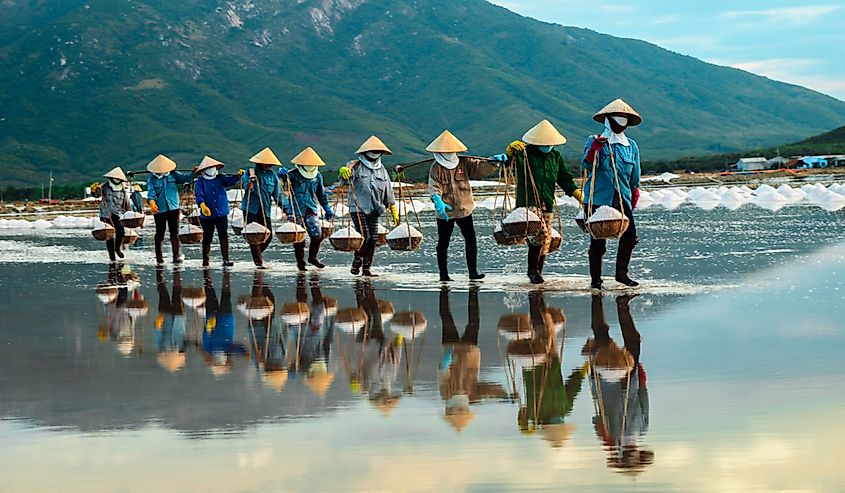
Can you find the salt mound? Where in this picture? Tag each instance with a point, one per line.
(288, 227)
(341, 210)
(404, 231)
(605, 213)
(190, 229)
(42, 224)
(346, 232)
(521, 215)
(276, 214)
(253, 227)
(646, 200)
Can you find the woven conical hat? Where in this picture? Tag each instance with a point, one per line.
(171, 361)
(266, 156)
(386, 405)
(161, 164)
(460, 420)
(308, 157)
(446, 142)
(276, 379)
(208, 162)
(557, 434)
(373, 144)
(544, 134)
(619, 107)
(320, 383)
(116, 173)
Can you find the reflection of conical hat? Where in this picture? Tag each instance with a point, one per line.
(171, 361)
(386, 309)
(515, 325)
(459, 420)
(161, 164)
(208, 162)
(557, 434)
(373, 144)
(619, 107)
(220, 370)
(308, 157)
(386, 405)
(319, 383)
(116, 173)
(276, 379)
(446, 142)
(409, 324)
(544, 134)
(266, 156)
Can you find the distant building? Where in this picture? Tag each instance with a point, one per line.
(777, 162)
(815, 162)
(752, 164)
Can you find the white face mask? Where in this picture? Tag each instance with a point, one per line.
(209, 173)
(116, 186)
(161, 175)
(373, 155)
(448, 160)
(371, 160)
(309, 172)
(614, 138)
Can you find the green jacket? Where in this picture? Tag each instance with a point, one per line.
(557, 398)
(547, 170)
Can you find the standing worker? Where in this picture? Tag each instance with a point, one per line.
(370, 195)
(547, 168)
(213, 202)
(163, 197)
(306, 184)
(262, 187)
(450, 190)
(609, 148)
(114, 201)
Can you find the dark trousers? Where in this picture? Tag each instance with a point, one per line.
(209, 224)
(167, 221)
(450, 331)
(444, 236)
(367, 225)
(629, 237)
(116, 243)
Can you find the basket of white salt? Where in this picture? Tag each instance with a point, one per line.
(386, 310)
(346, 239)
(404, 238)
(290, 232)
(350, 320)
(130, 237)
(193, 297)
(606, 223)
(295, 313)
(190, 234)
(194, 217)
(102, 231)
(327, 229)
(556, 240)
(409, 324)
(258, 307)
(514, 326)
(521, 222)
(255, 233)
(581, 221)
(237, 219)
(382, 232)
(132, 219)
(505, 239)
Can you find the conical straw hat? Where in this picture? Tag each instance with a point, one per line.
(373, 144)
(319, 383)
(209, 162)
(116, 173)
(619, 107)
(446, 142)
(557, 434)
(161, 164)
(544, 134)
(171, 361)
(308, 157)
(266, 156)
(276, 379)
(459, 421)
(385, 405)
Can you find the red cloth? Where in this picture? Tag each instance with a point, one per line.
(635, 197)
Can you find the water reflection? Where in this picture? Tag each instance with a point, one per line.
(170, 323)
(218, 337)
(122, 307)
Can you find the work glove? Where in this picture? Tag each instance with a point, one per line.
(94, 187)
(578, 194)
(394, 214)
(240, 172)
(595, 147)
(329, 214)
(499, 158)
(514, 147)
(154, 206)
(211, 323)
(585, 370)
(635, 198)
(159, 323)
(205, 210)
(399, 169)
(283, 173)
(345, 172)
(440, 206)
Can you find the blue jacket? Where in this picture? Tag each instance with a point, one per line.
(165, 191)
(271, 189)
(627, 166)
(212, 193)
(306, 192)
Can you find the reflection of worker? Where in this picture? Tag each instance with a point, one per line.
(381, 358)
(312, 338)
(170, 323)
(265, 340)
(618, 385)
(218, 338)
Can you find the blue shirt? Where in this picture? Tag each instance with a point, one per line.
(212, 193)
(165, 191)
(306, 193)
(627, 166)
(270, 188)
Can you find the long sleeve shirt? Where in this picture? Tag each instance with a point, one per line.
(307, 192)
(113, 202)
(547, 170)
(453, 184)
(627, 160)
(165, 191)
(268, 189)
(212, 193)
(370, 190)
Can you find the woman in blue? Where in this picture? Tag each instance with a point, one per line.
(163, 197)
(213, 202)
(616, 116)
(307, 190)
(262, 188)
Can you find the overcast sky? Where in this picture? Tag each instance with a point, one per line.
(793, 41)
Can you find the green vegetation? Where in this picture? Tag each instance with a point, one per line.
(89, 84)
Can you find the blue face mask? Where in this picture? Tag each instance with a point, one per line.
(545, 149)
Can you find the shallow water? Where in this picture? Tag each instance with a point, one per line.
(727, 376)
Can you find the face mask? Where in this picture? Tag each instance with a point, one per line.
(373, 155)
(161, 175)
(115, 184)
(622, 121)
(448, 160)
(309, 172)
(545, 149)
(209, 173)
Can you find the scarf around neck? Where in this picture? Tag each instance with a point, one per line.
(448, 160)
(614, 138)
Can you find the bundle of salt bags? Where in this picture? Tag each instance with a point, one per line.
(102, 231)
(295, 313)
(409, 324)
(556, 242)
(606, 223)
(290, 232)
(350, 320)
(581, 221)
(194, 217)
(130, 236)
(327, 228)
(381, 239)
(521, 221)
(255, 233)
(515, 326)
(193, 297)
(190, 234)
(346, 239)
(505, 239)
(404, 238)
(132, 219)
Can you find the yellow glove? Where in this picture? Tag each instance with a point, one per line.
(394, 214)
(211, 323)
(153, 206)
(345, 173)
(205, 210)
(94, 187)
(159, 323)
(579, 195)
(240, 172)
(514, 147)
(585, 370)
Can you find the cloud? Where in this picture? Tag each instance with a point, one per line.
(801, 71)
(791, 15)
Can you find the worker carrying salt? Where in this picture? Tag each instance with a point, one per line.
(306, 184)
(613, 146)
(262, 188)
(163, 198)
(210, 192)
(535, 186)
(370, 195)
(450, 190)
(114, 201)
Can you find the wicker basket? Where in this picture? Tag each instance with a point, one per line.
(130, 237)
(409, 324)
(295, 313)
(350, 320)
(346, 240)
(256, 233)
(236, 217)
(505, 239)
(193, 297)
(557, 240)
(381, 239)
(326, 228)
(580, 221)
(515, 326)
(103, 232)
(194, 217)
(404, 238)
(289, 233)
(132, 219)
(190, 234)
(607, 230)
(522, 222)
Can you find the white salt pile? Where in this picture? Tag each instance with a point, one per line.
(521, 215)
(404, 231)
(251, 228)
(605, 213)
(288, 227)
(190, 229)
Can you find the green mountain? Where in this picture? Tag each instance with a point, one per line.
(89, 84)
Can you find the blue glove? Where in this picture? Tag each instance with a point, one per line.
(501, 158)
(329, 213)
(283, 173)
(440, 206)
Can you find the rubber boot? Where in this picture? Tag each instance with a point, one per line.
(357, 262)
(110, 248)
(472, 261)
(541, 264)
(299, 252)
(257, 256)
(313, 250)
(159, 246)
(174, 244)
(206, 254)
(224, 251)
(623, 259)
(595, 268)
(368, 261)
(443, 265)
(534, 265)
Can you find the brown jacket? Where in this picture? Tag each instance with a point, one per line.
(453, 184)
